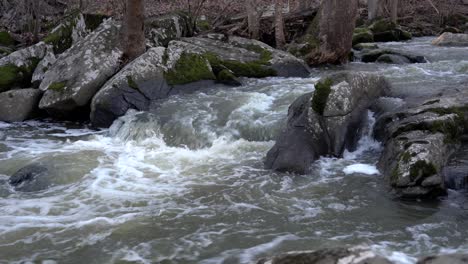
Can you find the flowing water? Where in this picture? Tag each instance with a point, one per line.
(186, 184)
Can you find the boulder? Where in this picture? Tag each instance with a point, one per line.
(31, 178)
(19, 105)
(451, 40)
(374, 55)
(418, 143)
(356, 255)
(365, 46)
(160, 30)
(325, 122)
(134, 87)
(455, 173)
(79, 73)
(187, 65)
(17, 68)
(385, 31)
(393, 59)
(362, 35)
(445, 259)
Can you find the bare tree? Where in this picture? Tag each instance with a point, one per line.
(133, 30)
(279, 25)
(394, 11)
(374, 7)
(253, 19)
(337, 19)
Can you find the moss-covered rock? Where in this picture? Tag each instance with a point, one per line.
(322, 91)
(57, 86)
(373, 55)
(12, 76)
(365, 46)
(6, 39)
(362, 36)
(225, 76)
(382, 25)
(189, 68)
(160, 30)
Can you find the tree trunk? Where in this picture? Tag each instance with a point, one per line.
(279, 25)
(373, 7)
(253, 19)
(336, 26)
(394, 11)
(133, 30)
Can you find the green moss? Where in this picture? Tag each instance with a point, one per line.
(189, 68)
(363, 37)
(93, 20)
(61, 39)
(131, 83)
(8, 76)
(225, 75)
(6, 39)
(421, 170)
(382, 25)
(405, 35)
(203, 25)
(253, 69)
(57, 86)
(405, 156)
(322, 91)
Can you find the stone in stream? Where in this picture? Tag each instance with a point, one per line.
(357, 255)
(19, 105)
(325, 122)
(451, 40)
(376, 55)
(445, 259)
(419, 142)
(187, 65)
(80, 71)
(393, 59)
(31, 178)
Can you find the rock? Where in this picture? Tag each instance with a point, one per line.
(365, 46)
(16, 69)
(362, 35)
(444, 259)
(79, 73)
(385, 31)
(356, 255)
(134, 87)
(451, 40)
(30, 178)
(19, 105)
(5, 51)
(160, 30)
(455, 173)
(325, 122)
(72, 30)
(418, 143)
(42, 67)
(373, 55)
(393, 59)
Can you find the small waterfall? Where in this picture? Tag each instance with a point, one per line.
(367, 141)
(135, 126)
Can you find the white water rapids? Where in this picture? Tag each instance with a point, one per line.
(186, 183)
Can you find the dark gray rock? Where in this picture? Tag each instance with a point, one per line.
(80, 72)
(328, 256)
(373, 55)
(321, 124)
(393, 59)
(445, 259)
(160, 30)
(19, 105)
(31, 178)
(455, 173)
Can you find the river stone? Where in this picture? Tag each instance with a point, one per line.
(451, 40)
(445, 259)
(419, 142)
(81, 71)
(321, 125)
(374, 55)
(17, 68)
(19, 105)
(393, 59)
(30, 178)
(328, 256)
(134, 87)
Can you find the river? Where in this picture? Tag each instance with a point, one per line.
(186, 184)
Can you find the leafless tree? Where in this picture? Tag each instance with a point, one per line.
(279, 25)
(133, 31)
(253, 19)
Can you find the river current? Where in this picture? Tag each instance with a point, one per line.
(186, 183)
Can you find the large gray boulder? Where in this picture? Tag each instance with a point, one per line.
(19, 105)
(160, 30)
(419, 142)
(451, 40)
(134, 87)
(81, 71)
(357, 255)
(325, 122)
(16, 69)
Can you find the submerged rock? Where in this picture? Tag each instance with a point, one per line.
(356, 255)
(393, 59)
(398, 56)
(419, 142)
(80, 72)
(19, 105)
(31, 178)
(325, 122)
(451, 40)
